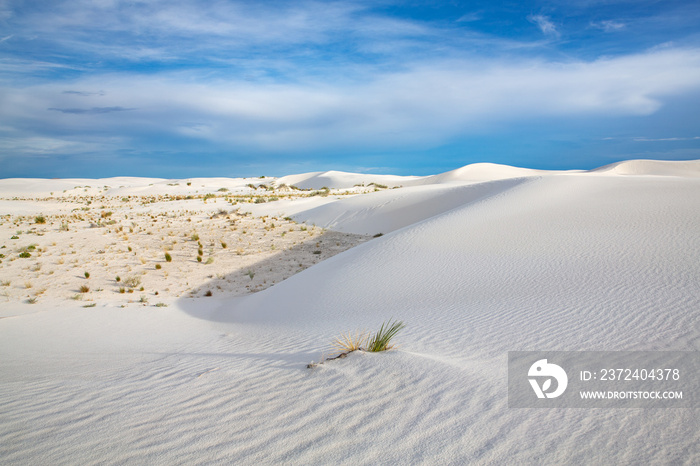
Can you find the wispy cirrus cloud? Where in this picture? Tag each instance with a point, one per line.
(545, 24)
(83, 93)
(643, 139)
(609, 25)
(90, 111)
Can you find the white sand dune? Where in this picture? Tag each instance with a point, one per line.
(337, 179)
(481, 172)
(533, 261)
(685, 169)
(386, 211)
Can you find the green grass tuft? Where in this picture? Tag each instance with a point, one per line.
(381, 340)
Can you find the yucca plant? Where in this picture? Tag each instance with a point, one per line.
(347, 342)
(381, 340)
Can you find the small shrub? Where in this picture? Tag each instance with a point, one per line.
(199, 258)
(380, 340)
(14, 237)
(122, 289)
(24, 254)
(158, 266)
(143, 299)
(40, 219)
(87, 274)
(210, 261)
(84, 289)
(208, 293)
(90, 305)
(251, 274)
(200, 252)
(117, 279)
(224, 245)
(132, 281)
(195, 237)
(168, 257)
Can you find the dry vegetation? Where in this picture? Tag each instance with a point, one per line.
(160, 245)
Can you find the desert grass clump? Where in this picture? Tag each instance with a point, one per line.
(349, 342)
(40, 219)
(87, 274)
(381, 340)
(361, 341)
(168, 257)
(84, 288)
(158, 266)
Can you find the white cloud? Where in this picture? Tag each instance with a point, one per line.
(426, 104)
(609, 25)
(545, 24)
(642, 139)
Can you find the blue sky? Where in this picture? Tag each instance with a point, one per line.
(98, 88)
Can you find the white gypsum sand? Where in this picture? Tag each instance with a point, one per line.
(478, 262)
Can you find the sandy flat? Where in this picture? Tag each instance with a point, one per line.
(478, 262)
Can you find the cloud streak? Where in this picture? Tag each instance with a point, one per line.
(90, 111)
(424, 104)
(545, 24)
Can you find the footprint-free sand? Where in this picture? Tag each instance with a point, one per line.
(188, 361)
